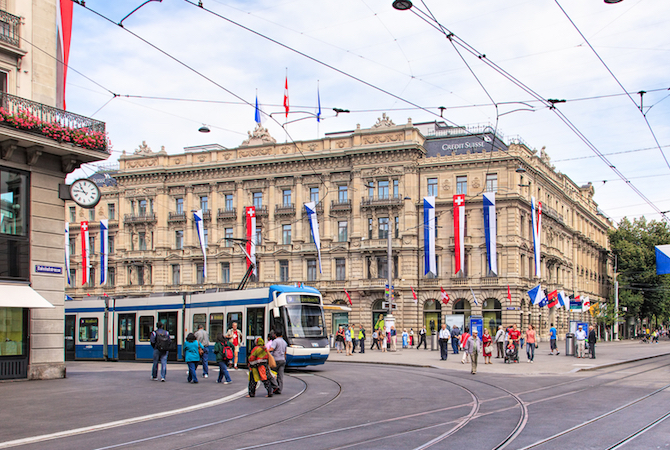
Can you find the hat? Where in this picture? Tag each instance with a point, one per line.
(475, 331)
(580, 327)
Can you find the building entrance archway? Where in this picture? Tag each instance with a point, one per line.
(432, 315)
(492, 312)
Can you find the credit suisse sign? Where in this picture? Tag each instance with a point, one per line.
(459, 145)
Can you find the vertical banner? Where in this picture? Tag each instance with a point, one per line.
(310, 208)
(430, 265)
(64, 26)
(250, 214)
(67, 252)
(85, 254)
(459, 231)
(200, 228)
(416, 301)
(536, 224)
(348, 298)
(104, 250)
(491, 230)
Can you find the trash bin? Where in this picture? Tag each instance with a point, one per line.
(332, 341)
(433, 342)
(570, 344)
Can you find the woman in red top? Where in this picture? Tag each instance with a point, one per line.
(464, 340)
(487, 343)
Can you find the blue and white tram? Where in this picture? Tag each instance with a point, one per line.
(119, 329)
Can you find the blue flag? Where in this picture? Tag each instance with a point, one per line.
(318, 114)
(257, 116)
(662, 259)
(536, 295)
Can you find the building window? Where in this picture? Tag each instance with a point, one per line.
(225, 272)
(142, 240)
(382, 266)
(176, 275)
(73, 246)
(140, 275)
(342, 231)
(311, 270)
(432, 187)
(283, 270)
(491, 182)
(179, 239)
(259, 240)
(111, 211)
(229, 202)
(383, 189)
(179, 207)
(91, 277)
(228, 235)
(151, 206)
(396, 192)
(199, 274)
(205, 236)
(396, 227)
(132, 207)
(73, 214)
(342, 194)
(91, 245)
(73, 277)
(286, 197)
(383, 228)
(142, 208)
(111, 276)
(370, 228)
(91, 215)
(371, 189)
(258, 200)
(462, 185)
(340, 269)
(286, 234)
(314, 194)
(204, 203)
(110, 244)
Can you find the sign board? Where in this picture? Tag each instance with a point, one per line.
(453, 320)
(385, 305)
(511, 308)
(49, 269)
(463, 143)
(576, 304)
(477, 323)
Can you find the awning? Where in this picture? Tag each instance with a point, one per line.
(18, 295)
(340, 308)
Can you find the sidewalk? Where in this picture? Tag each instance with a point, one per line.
(607, 354)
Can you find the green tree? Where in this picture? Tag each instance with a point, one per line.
(644, 293)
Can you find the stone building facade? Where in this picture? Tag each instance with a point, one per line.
(366, 183)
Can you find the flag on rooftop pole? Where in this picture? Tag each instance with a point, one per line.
(490, 230)
(318, 99)
(85, 254)
(200, 228)
(310, 208)
(286, 93)
(257, 116)
(459, 232)
(430, 264)
(67, 252)
(104, 251)
(414, 295)
(473, 296)
(536, 295)
(250, 214)
(662, 259)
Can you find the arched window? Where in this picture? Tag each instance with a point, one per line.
(432, 315)
(492, 312)
(462, 306)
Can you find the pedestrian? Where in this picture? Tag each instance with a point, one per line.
(384, 338)
(500, 340)
(203, 338)
(443, 339)
(375, 340)
(348, 341)
(271, 337)
(192, 349)
(514, 336)
(223, 353)
(580, 336)
(354, 340)
(464, 340)
(405, 338)
(530, 343)
(455, 334)
(487, 346)
(522, 338)
(422, 338)
(394, 337)
(552, 340)
(473, 347)
(411, 337)
(160, 341)
(259, 370)
(592, 341)
(235, 337)
(361, 339)
(278, 351)
(339, 339)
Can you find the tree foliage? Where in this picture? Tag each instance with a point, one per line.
(644, 293)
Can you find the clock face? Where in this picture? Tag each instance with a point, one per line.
(85, 193)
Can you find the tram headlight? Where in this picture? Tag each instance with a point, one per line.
(296, 346)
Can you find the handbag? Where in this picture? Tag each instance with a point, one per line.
(271, 361)
(536, 345)
(201, 351)
(488, 349)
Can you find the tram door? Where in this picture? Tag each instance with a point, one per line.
(255, 327)
(126, 336)
(169, 320)
(70, 321)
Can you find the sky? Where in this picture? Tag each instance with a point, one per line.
(174, 67)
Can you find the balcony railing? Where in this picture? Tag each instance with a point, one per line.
(226, 214)
(177, 217)
(285, 210)
(318, 209)
(207, 215)
(57, 124)
(381, 201)
(262, 211)
(337, 205)
(139, 218)
(9, 28)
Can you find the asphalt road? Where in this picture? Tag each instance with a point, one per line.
(340, 405)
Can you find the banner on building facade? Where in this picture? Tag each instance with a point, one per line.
(67, 252)
(250, 214)
(430, 264)
(536, 223)
(200, 228)
(536, 295)
(310, 208)
(459, 232)
(563, 300)
(104, 251)
(85, 254)
(491, 230)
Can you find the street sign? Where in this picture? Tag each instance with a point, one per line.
(385, 305)
(576, 304)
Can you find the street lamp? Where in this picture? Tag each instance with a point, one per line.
(402, 5)
(611, 2)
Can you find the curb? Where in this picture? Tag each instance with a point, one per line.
(619, 363)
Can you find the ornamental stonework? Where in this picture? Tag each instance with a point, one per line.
(383, 121)
(383, 138)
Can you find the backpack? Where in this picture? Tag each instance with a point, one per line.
(227, 353)
(162, 341)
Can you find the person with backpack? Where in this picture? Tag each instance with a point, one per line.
(160, 341)
(224, 354)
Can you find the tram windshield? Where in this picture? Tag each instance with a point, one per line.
(304, 321)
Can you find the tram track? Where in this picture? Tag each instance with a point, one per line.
(639, 432)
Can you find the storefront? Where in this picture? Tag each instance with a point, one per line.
(492, 312)
(432, 315)
(462, 306)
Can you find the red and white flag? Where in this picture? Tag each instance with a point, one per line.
(509, 295)
(459, 231)
(85, 254)
(286, 95)
(444, 296)
(414, 295)
(586, 305)
(348, 298)
(250, 213)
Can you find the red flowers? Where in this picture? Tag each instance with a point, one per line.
(82, 137)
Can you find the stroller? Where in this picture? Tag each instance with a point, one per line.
(511, 354)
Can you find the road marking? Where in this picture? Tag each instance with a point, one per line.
(120, 423)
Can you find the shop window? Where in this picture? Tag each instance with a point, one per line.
(13, 331)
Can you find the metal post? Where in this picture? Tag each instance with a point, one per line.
(390, 320)
(616, 309)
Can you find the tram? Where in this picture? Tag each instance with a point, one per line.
(120, 329)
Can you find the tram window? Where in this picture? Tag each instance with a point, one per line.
(215, 326)
(88, 329)
(234, 317)
(199, 319)
(146, 327)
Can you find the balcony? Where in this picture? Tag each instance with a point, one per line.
(9, 28)
(262, 211)
(319, 209)
(177, 217)
(551, 212)
(226, 214)
(207, 215)
(52, 123)
(285, 210)
(340, 205)
(139, 218)
(383, 201)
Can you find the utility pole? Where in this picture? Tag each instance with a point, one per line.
(616, 301)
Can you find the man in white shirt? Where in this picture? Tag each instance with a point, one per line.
(580, 335)
(202, 337)
(443, 338)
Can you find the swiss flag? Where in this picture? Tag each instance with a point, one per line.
(286, 95)
(445, 296)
